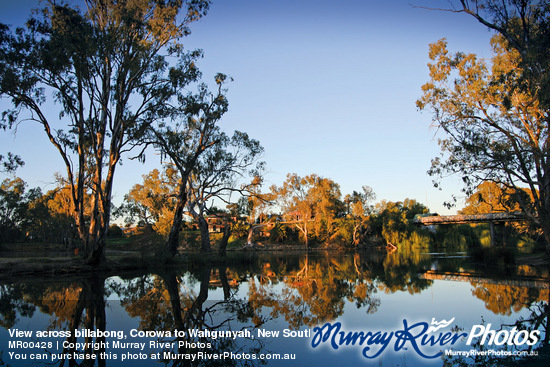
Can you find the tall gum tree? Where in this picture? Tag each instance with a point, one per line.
(307, 201)
(106, 70)
(493, 129)
(218, 174)
(183, 137)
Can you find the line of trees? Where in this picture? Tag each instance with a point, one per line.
(310, 210)
(30, 214)
(307, 208)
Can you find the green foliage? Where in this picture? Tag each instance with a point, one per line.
(240, 230)
(457, 238)
(526, 243)
(344, 232)
(14, 203)
(278, 233)
(393, 222)
(115, 231)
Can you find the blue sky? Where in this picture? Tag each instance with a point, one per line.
(327, 87)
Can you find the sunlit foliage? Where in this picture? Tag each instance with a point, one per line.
(494, 129)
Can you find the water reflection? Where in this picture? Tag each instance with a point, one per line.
(272, 292)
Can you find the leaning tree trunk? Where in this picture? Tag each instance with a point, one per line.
(171, 284)
(205, 235)
(174, 236)
(222, 249)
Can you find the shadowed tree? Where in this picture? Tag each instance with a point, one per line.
(15, 201)
(106, 70)
(194, 131)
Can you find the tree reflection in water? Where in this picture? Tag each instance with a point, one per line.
(165, 302)
(304, 291)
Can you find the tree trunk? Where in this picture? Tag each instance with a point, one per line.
(304, 232)
(545, 224)
(355, 230)
(74, 324)
(222, 249)
(250, 234)
(195, 313)
(98, 228)
(174, 236)
(205, 235)
(96, 254)
(97, 294)
(171, 284)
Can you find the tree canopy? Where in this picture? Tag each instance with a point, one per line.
(525, 25)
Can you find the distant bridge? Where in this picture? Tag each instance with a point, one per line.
(491, 218)
(471, 218)
(524, 281)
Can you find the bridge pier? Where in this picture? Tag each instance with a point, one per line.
(503, 230)
(493, 230)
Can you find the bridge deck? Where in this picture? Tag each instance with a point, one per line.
(471, 218)
(530, 282)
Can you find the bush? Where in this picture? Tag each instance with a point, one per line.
(114, 231)
(278, 233)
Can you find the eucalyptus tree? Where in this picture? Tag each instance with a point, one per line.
(219, 173)
(496, 115)
(151, 202)
(183, 137)
(359, 208)
(105, 74)
(254, 204)
(309, 200)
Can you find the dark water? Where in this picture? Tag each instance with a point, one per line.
(283, 310)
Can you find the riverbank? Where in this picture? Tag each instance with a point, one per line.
(50, 260)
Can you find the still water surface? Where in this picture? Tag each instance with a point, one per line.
(259, 299)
